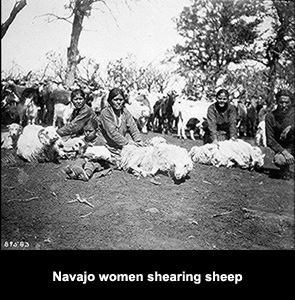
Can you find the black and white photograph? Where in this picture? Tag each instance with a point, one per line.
(147, 125)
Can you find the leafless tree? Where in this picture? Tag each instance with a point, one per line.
(79, 9)
(18, 6)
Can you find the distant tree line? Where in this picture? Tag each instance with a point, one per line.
(218, 34)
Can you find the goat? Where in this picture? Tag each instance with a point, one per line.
(62, 111)
(260, 137)
(186, 110)
(31, 110)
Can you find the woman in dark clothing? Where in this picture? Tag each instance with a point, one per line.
(80, 116)
(221, 120)
(114, 123)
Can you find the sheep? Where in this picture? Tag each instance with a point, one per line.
(98, 153)
(9, 139)
(74, 147)
(157, 156)
(39, 144)
(229, 154)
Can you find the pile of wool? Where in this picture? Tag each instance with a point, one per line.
(156, 156)
(228, 153)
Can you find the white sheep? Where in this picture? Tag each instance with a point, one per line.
(74, 146)
(98, 152)
(158, 156)
(228, 153)
(39, 144)
(9, 139)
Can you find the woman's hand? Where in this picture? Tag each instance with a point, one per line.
(289, 157)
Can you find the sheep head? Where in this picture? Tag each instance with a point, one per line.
(181, 169)
(14, 130)
(58, 148)
(48, 135)
(80, 147)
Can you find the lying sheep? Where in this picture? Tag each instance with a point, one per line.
(157, 156)
(98, 153)
(74, 147)
(228, 153)
(9, 139)
(39, 144)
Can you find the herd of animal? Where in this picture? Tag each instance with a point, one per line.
(47, 104)
(34, 113)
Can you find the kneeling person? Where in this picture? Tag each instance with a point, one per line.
(280, 132)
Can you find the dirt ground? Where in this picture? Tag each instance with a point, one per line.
(216, 208)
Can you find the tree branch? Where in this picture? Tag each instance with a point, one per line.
(18, 6)
(58, 18)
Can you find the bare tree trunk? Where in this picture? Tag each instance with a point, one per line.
(18, 6)
(73, 52)
(276, 48)
(81, 8)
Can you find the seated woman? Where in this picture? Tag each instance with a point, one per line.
(221, 120)
(80, 116)
(115, 122)
(111, 130)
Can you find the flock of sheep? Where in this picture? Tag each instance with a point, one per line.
(35, 143)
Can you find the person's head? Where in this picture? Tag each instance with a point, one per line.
(78, 98)
(90, 130)
(116, 98)
(284, 99)
(222, 97)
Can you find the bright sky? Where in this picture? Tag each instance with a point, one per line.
(146, 30)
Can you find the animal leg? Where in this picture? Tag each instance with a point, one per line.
(183, 132)
(179, 129)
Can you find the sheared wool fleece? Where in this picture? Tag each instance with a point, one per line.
(156, 156)
(229, 154)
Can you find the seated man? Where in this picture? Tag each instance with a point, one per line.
(280, 132)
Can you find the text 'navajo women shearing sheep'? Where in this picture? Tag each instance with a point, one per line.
(157, 156)
(229, 154)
